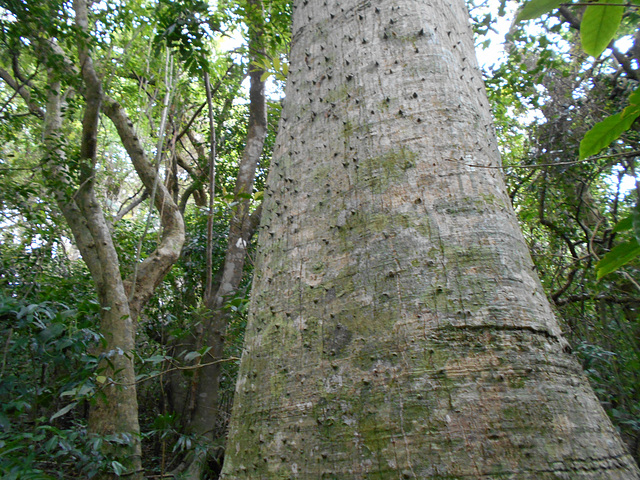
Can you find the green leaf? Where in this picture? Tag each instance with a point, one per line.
(204, 350)
(264, 76)
(617, 257)
(51, 444)
(191, 356)
(605, 132)
(84, 390)
(635, 221)
(609, 129)
(69, 393)
(623, 225)
(155, 359)
(599, 25)
(633, 109)
(536, 8)
(63, 411)
(51, 332)
(4, 421)
(118, 468)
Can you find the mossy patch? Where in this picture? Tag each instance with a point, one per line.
(468, 205)
(379, 173)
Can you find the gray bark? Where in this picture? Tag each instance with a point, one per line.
(152, 269)
(397, 327)
(205, 416)
(115, 411)
(116, 408)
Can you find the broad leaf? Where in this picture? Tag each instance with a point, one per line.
(118, 468)
(623, 225)
(536, 8)
(63, 411)
(635, 221)
(633, 109)
(630, 222)
(191, 356)
(156, 359)
(617, 257)
(204, 350)
(599, 25)
(51, 444)
(605, 132)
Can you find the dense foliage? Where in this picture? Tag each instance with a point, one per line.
(572, 180)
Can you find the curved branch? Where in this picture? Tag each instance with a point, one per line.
(190, 190)
(131, 206)
(21, 90)
(153, 269)
(606, 298)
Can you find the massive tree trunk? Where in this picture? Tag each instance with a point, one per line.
(397, 327)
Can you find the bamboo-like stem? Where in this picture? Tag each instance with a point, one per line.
(212, 188)
(168, 79)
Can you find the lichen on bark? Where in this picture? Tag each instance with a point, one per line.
(397, 328)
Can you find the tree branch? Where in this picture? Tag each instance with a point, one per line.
(204, 104)
(238, 228)
(21, 90)
(606, 298)
(153, 269)
(131, 206)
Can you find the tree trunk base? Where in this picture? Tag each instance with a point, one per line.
(200, 464)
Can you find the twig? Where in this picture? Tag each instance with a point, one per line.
(589, 4)
(174, 369)
(540, 165)
(6, 351)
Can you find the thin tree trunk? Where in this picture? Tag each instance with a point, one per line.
(205, 416)
(114, 415)
(115, 412)
(152, 269)
(397, 327)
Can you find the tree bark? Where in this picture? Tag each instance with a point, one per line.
(115, 412)
(152, 269)
(114, 415)
(397, 327)
(205, 416)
